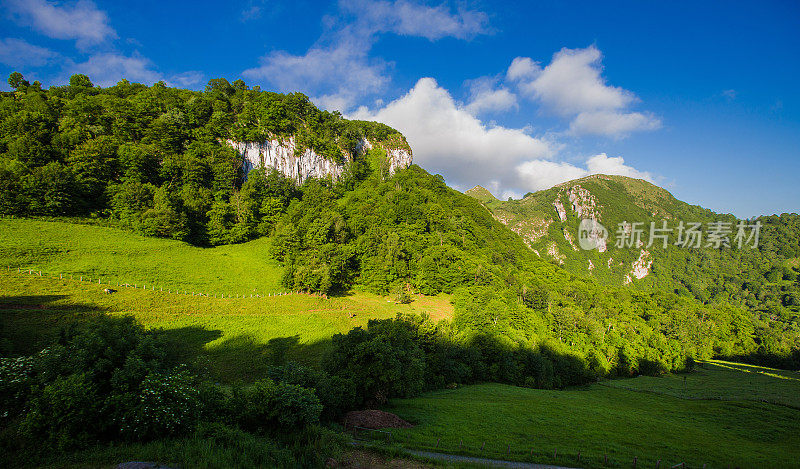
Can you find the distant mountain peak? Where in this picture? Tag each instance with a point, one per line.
(481, 193)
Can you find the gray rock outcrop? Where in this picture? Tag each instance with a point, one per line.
(280, 154)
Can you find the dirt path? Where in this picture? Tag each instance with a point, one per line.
(481, 461)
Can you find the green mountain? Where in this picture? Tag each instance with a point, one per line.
(482, 194)
(158, 161)
(172, 162)
(762, 279)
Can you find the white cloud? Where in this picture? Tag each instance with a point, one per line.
(612, 123)
(485, 97)
(522, 67)
(108, 68)
(79, 20)
(572, 86)
(413, 19)
(539, 175)
(604, 164)
(337, 75)
(448, 139)
(19, 53)
(337, 71)
(186, 79)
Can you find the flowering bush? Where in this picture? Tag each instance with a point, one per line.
(167, 405)
(15, 382)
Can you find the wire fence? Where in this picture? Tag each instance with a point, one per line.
(110, 285)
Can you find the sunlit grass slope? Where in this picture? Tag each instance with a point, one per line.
(643, 418)
(233, 338)
(118, 255)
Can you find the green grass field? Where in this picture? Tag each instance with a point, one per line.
(722, 415)
(723, 380)
(724, 418)
(120, 256)
(234, 338)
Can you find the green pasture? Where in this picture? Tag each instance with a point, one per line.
(232, 338)
(725, 417)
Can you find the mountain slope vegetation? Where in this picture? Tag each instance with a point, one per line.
(155, 158)
(408, 232)
(762, 279)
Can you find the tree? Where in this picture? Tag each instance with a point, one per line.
(383, 361)
(80, 81)
(16, 81)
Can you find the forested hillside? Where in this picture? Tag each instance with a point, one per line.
(761, 277)
(154, 158)
(150, 159)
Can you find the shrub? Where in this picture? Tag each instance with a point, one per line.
(16, 377)
(167, 405)
(383, 362)
(402, 295)
(267, 405)
(63, 413)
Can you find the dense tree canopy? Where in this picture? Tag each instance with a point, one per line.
(154, 158)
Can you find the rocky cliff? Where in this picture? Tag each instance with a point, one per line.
(577, 223)
(282, 155)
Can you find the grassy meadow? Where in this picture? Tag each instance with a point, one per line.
(116, 255)
(233, 338)
(729, 415)
(721, 415)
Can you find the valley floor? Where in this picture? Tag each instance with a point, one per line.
(725, 415)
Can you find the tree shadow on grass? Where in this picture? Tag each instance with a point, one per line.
(239, 358)
(28, 323)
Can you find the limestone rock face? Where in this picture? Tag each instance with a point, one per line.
(279, 153)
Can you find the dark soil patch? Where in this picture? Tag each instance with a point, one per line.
(374, 419)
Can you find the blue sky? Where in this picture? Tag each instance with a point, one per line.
(699, 97)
